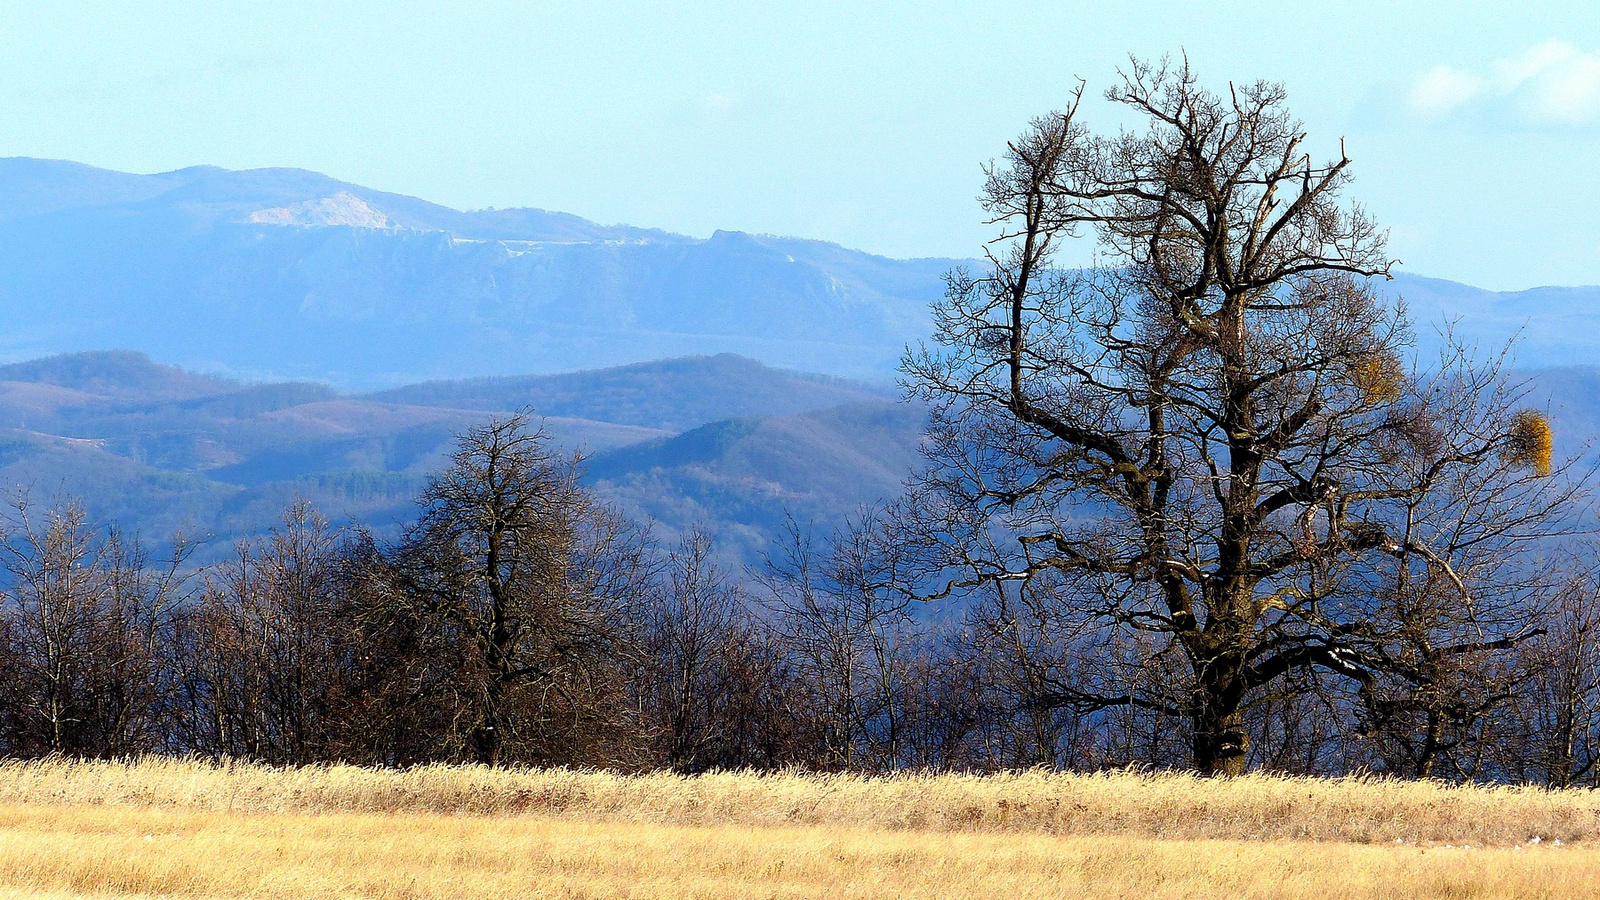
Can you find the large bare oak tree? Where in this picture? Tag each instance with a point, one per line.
(1213, 444)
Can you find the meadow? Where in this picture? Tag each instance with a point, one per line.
(166, 828)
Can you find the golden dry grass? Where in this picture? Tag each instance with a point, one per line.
(187, 829)
(1161, 805)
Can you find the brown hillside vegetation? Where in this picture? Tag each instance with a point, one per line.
(192, 829)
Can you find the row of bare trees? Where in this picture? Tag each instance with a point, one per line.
(521, 621)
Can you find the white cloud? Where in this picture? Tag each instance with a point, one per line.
(1443, 89)
(1514, 71)
(1553, 83)
(1569, 94)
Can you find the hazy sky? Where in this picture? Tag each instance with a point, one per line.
(1474, 127)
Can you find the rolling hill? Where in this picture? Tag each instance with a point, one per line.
(721, 441)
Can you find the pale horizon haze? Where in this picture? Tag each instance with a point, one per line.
(1473, 127)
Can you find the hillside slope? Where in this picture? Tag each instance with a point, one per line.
(746, 478)
(670, 394)
(288, 273)
(161, 449)
(721, 442)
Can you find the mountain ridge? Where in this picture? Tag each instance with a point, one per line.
(719, 442)
(161, 449)
(91, 259)
(171, 265)
(333, 347)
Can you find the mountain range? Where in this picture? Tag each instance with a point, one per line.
(722, 442)
(316, 338)
(285, 274)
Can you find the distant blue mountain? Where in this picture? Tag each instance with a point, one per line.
(289, 274)
(1552, 326)
(282, 273)
(744, 479)
(720, 442)
(672, 395)
(279, 294)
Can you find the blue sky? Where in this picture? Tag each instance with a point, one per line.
(1474, 126)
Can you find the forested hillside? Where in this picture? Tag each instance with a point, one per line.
(721, 441)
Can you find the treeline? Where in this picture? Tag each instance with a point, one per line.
(521, 621)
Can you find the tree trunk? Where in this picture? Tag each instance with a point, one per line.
(487, 736)
(1429, 754)
(1220, 741)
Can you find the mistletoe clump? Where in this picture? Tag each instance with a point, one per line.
(1530, 442)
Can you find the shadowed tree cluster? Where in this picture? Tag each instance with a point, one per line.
(520, 621)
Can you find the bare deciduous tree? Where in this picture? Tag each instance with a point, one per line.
(848, 635)
(531, 584)
(269, 647)
(714, 681)
(1212, 438)
(88, 623)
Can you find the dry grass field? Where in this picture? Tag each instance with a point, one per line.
(185, 829)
